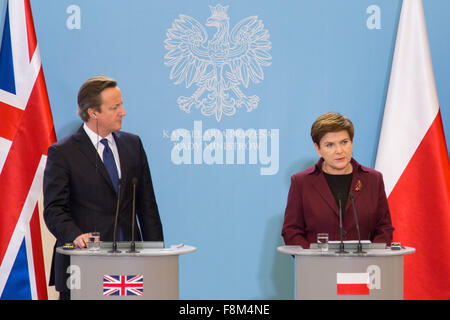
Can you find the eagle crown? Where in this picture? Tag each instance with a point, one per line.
(219, 12)
(219, 19)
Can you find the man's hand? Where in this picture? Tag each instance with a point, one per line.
(81, 240)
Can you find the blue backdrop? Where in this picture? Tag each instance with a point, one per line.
(308, 57)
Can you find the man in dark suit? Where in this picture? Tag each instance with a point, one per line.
(86, 171)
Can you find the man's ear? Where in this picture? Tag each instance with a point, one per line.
(92, 113)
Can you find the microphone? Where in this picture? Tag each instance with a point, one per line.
(133, 217)
(359, 250)
(114, 245)
(341, 245)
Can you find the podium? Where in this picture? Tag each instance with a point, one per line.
(375, 275)
(150, 273)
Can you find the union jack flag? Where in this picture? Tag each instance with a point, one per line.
(26, 132)
(123, 285)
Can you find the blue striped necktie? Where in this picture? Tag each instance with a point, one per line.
(110, 164)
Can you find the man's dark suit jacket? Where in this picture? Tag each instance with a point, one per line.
(79, 196)
(311, 208)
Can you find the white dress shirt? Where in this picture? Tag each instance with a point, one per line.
(95, 139)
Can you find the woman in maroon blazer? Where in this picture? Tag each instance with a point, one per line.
(312, 205)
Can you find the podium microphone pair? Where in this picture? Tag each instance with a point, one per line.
(132, 243)
(341, 245)
(359, 249)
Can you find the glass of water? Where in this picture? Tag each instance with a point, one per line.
(322, 241)
(94, 241)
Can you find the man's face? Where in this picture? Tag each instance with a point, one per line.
(111, 111)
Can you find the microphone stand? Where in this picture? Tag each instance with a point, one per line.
(114, 245)
(132, 243)
(359, 250)
(341, 245)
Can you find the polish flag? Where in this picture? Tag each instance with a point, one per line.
(352, 283)
(413, 157)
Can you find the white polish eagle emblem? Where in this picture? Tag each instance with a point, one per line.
(218, 66)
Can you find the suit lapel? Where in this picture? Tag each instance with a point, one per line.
(87, 148)
(121, 148)
(321, 186)
(358, 183)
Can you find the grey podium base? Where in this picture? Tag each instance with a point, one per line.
(158, 266)
(316, 273)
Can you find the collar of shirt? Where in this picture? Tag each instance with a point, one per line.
(95, 139)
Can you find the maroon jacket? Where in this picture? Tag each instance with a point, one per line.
(311, 208)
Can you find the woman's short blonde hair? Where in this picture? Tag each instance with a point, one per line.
(330, 122)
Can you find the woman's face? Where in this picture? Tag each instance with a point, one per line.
(336, 150)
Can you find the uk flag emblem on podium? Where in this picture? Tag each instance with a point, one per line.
(123, 285)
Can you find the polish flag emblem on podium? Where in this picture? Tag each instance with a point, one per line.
(353, 283)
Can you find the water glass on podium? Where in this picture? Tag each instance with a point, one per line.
(94, 241)
(322, 241)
